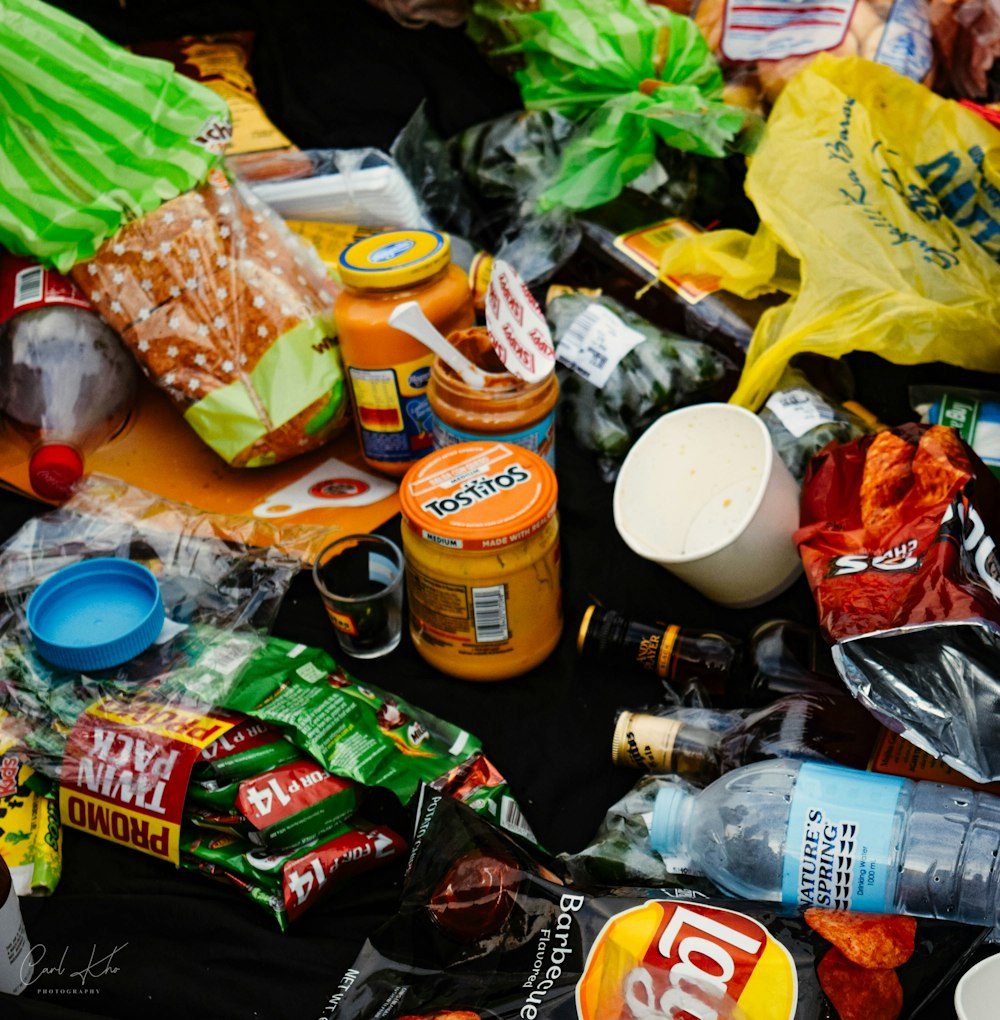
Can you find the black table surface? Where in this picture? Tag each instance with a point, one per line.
(127, 936)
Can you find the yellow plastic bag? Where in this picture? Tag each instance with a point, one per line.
(879, 204)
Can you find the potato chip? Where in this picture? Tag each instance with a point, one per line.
(858, 993)
(940, 467)
(873, 941)
(888, 477)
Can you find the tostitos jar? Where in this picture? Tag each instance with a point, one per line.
(481, 539)
(388, 369)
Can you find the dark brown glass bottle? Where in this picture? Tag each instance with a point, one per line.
(619, 253)
(778, 657)
(826, 727)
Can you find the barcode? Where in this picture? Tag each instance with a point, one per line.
(489, 613)
(28, 285)
(575, 344)
(513, 820)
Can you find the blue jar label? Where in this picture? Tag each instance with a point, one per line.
(839, 844)
(540, 438)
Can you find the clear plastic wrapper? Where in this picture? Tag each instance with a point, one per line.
(802, 420)
(363, 187)
(220, 597)
(618, 372)
(761, 50)
(231, 315)
(483, 184)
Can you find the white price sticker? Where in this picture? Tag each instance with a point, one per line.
(800, 410)
(595, 342)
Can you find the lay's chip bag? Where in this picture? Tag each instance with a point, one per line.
(488, 930)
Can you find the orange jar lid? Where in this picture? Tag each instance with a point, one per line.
(478, 495)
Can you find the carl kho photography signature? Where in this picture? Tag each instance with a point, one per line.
(70, 970)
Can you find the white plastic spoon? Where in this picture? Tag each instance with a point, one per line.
(409, 317)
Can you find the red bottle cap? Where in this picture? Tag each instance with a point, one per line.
(54, 469)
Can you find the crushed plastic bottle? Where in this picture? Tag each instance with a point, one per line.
(67, 383)
(828, 836)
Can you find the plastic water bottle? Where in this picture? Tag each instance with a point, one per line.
(67, 382)
(824, 835)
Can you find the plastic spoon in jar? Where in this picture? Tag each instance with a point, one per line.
(409, 318)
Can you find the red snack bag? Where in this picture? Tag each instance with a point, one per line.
(858, 993)
(898, 540)
(872, 941)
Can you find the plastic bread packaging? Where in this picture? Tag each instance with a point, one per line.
(230, 314)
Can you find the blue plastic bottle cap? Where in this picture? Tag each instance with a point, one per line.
(95, 614)
(669, 814)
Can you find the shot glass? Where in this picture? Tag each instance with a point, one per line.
(360, 578)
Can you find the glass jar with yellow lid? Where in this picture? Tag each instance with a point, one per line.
(506, 408)
(388, 369)
(481, 538)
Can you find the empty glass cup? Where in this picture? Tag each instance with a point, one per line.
(360, 578)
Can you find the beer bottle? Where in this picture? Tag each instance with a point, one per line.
(779, 657)
(830, 726)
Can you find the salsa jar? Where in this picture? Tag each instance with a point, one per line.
(507, 408)
(481, 539)
(387, 368)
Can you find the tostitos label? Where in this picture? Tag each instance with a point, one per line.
(478, 495)
(668, 959)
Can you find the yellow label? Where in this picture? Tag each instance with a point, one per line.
(646, 741)
(343, 622)
(168, 720)
(666, 650)
(645, 247)
(379, 393)
(222, 67)
(667, 957)
(156, 836)
(330, 239)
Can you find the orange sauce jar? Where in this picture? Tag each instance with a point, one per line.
(481, 540)
(387, 368)
(507, 408)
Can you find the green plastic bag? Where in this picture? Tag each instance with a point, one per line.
(91, 135)
(880, 218)
(628, 73)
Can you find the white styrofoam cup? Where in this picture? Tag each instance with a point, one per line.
(978, 990)
(703, 493)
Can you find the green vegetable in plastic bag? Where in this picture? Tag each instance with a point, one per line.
(631, 75)
(618, 372)
(802, 420)
(91, 136)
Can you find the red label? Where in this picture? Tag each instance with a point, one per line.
(126, 768)
(25, 284)
(306, 878)
(10, 765)
(285, 791)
